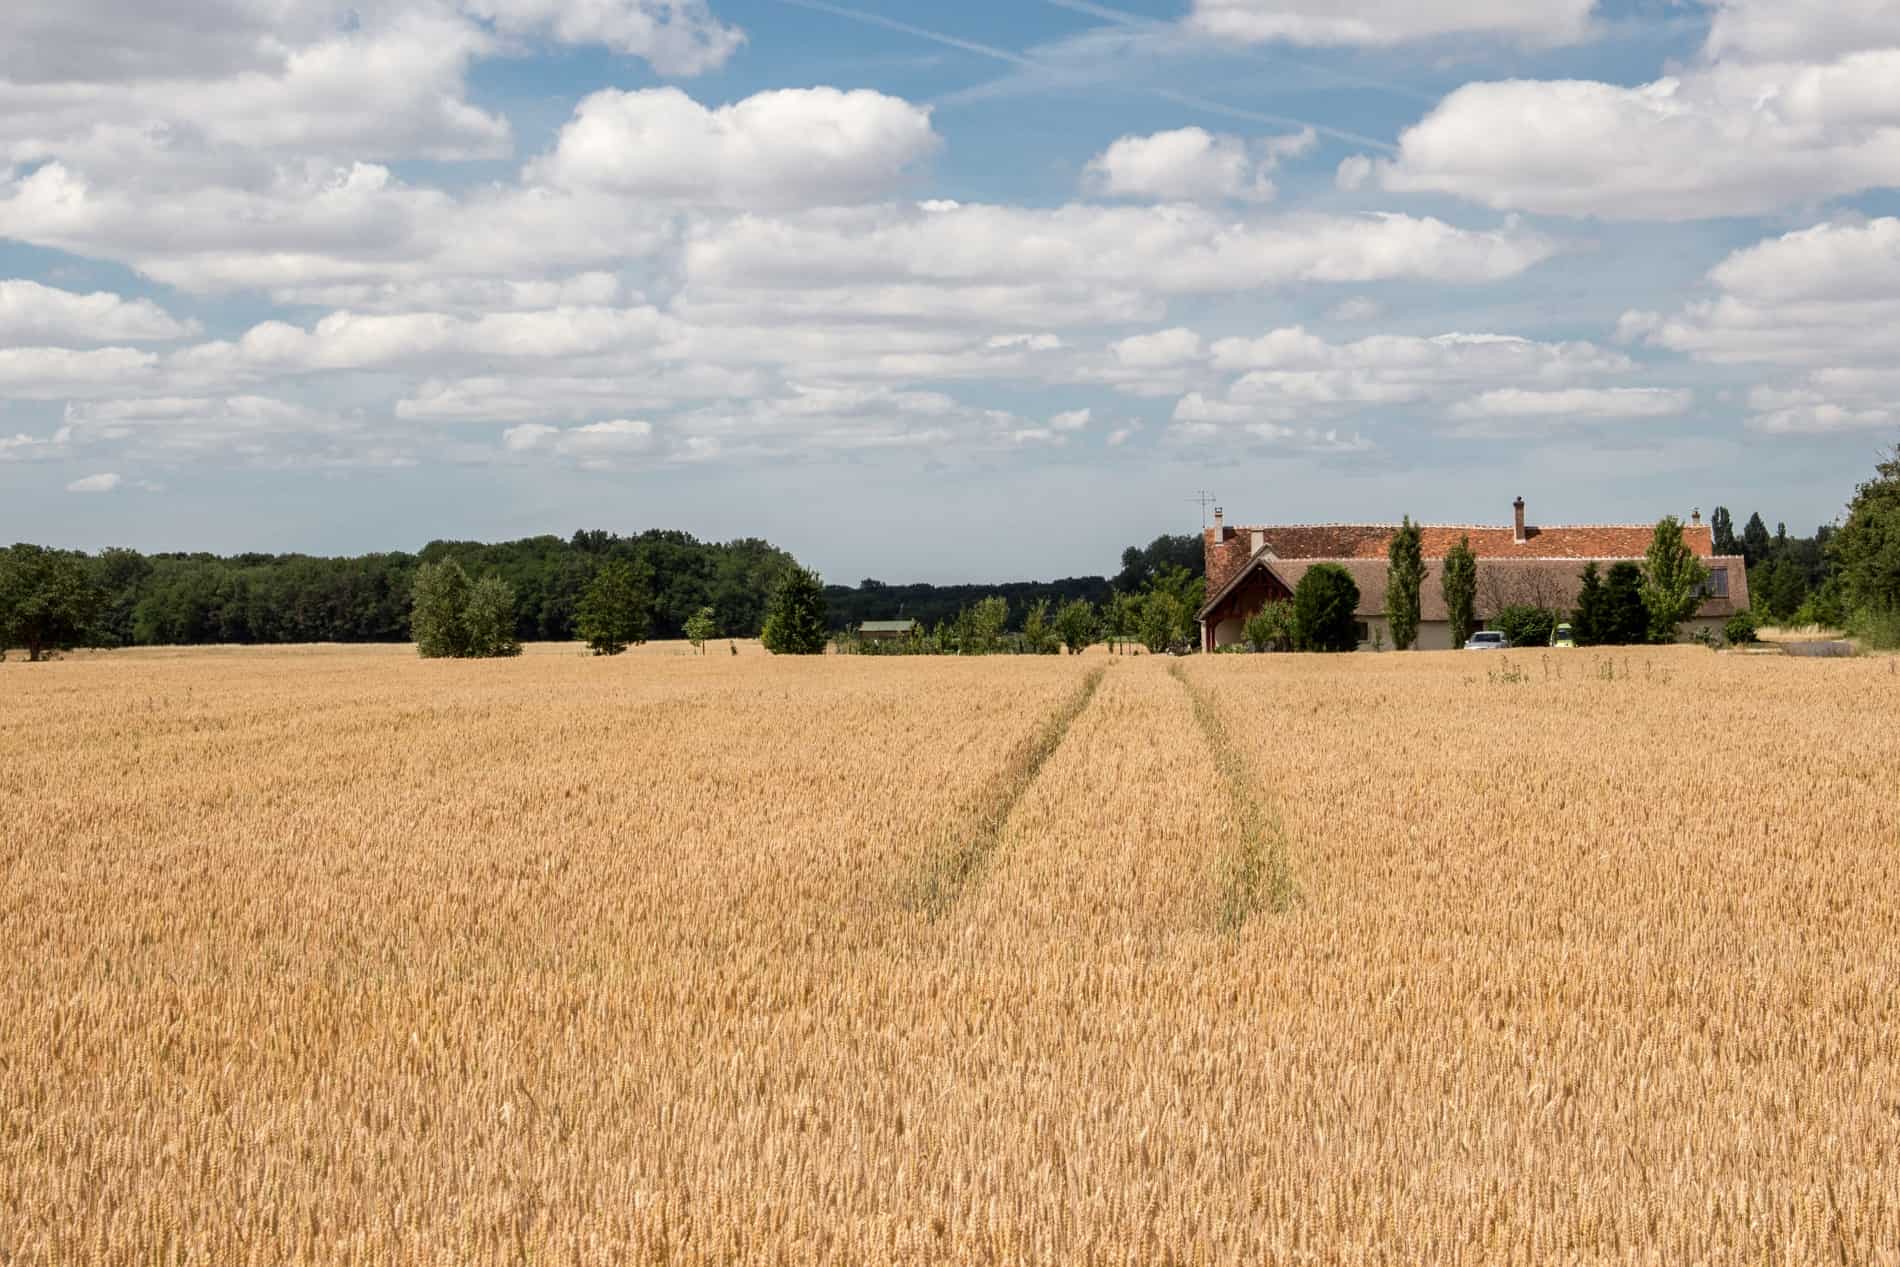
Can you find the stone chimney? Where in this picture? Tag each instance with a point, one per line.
(1220, 525)
(1695, 517)
(1259, 540)
(1518, 506)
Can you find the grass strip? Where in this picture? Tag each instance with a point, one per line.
(1253, 870)
(949, 869)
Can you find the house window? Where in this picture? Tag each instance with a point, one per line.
(1717, 584)
(1362, 631)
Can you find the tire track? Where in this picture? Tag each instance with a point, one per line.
(949, 869)
(1254, 871)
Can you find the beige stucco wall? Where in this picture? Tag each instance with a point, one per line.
(1433, 635)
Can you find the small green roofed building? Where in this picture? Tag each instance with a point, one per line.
(886, 630)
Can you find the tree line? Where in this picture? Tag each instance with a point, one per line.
(120, 598)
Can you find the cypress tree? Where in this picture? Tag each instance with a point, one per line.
(1460, 584)
(1404, 576)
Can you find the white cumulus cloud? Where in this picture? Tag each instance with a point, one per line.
(103, 483)
(1191, 165)
(1791, 102)
(793, 147)
(33, 313)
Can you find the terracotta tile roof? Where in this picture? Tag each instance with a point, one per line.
(1228, 554)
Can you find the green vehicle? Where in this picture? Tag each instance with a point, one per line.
(1561, 636)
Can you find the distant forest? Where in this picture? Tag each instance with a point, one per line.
(276, 598)
(178, 599)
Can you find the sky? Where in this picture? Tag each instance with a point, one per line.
(932, 292)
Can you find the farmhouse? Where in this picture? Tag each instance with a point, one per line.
(886, 630)
(1519, 563)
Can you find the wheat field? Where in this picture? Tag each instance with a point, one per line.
(338, 956)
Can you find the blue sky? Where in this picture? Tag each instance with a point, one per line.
(937, 292)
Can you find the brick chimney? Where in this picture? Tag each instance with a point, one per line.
(1220, 526)
(1518, 506)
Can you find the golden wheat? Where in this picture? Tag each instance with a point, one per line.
(338, 956)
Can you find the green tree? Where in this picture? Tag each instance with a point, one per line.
(488, 619)
(1672, 580)
(1185, 592)
(1626, 619)
(1722, 529)
(1755, 540)
(1866, 552)
(437, 601)
(1139, 565)
(1158, 620)
(1777, 588)
(1039, 636)
(47, 600)
(701, 627)
(796, 620)
(1590, 618)
(1404, 577)
(1272, 628)
(1325, 607)
(1076, 625)
(1459, 582)
(979, 627)
(616, 611)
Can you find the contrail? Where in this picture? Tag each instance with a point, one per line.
(878, 19)
(1276, 120)
(1122, 17)
(1018, 59)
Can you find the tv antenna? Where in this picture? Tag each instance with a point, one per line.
(1204, 499)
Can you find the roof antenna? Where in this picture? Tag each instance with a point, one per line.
(1205, 499)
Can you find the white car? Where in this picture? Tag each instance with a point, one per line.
(1488, 640)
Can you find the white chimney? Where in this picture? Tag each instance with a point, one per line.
(1518, 507)
(1220, 527)
(1259, 540)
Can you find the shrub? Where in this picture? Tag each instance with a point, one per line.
(1325, 607)
(1525, 625)
(1740, 630)
(1271, 628)
(1878, 627)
